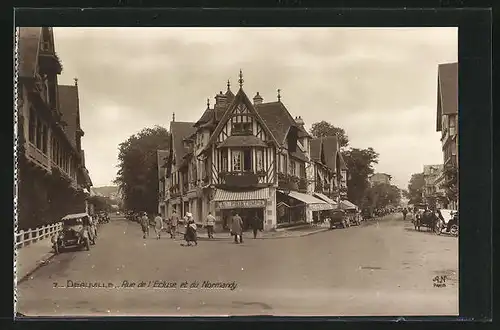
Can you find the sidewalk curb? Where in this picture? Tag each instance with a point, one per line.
(42, 262)
(269, 237)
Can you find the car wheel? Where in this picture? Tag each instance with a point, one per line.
(454, 230)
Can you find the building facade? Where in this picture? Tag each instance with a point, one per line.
(250, 158)
(380, 178)
(447, 119)
(52, 178)
(433, 192)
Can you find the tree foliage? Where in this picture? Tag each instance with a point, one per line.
(138, 169)
(101, 203)
(359, 164)
(416, 188)
(380, 196)
(324, 128)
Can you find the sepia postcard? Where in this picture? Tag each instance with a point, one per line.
(236, 171)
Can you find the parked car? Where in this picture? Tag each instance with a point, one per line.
(77, 231)
(339, 217)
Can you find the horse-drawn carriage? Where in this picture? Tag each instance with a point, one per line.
(425, 217)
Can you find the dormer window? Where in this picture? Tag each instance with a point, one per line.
(242, 129)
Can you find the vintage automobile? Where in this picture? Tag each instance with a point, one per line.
(339, 217)
(77, 231)
(447, 216)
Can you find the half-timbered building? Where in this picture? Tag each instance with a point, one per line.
(52, 178)
(247, 157)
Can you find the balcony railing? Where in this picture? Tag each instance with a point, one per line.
(38, 156)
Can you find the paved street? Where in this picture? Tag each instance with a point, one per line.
(381, 268)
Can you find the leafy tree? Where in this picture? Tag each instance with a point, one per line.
(101, 203)
(416, 188)
(359, 164)
(324, 128)
(138, 169)
(381, 195)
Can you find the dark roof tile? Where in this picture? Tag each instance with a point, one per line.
(181, 130)
(278, 119)
(29, 42)
(68, 105)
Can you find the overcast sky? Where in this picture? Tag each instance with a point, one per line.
(377, 84)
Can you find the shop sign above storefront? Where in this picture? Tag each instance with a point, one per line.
(241, 204)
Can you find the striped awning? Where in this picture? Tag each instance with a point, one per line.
(225, 195)
(346, 205)
(314, 204)
(325, 198)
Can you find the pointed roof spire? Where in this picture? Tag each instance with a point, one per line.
(173, 116)
(208, 103)
(228, 85)
(241, 79)
(279, 95)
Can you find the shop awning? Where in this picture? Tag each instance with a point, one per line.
(346, 205)
(315, 204)
(325, 198)
(225, 195)
(225, 199)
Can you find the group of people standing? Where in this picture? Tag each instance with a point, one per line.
(190, 235)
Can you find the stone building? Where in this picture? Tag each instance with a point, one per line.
(380, 178)
(252, 158)
(52, 178)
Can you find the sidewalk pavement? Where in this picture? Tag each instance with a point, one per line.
(280, 233)
(31, 257)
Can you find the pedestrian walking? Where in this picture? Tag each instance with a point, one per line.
(174, 221)
(237, 228)
(158, 226)
(145, 225)
(191, 234)
(256, 225)
(405, 212)
(210, 223)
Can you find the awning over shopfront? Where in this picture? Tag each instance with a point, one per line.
(346, 205)
(314, 204)
(325, 198)
(225, 199)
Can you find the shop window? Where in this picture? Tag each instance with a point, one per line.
(259, 155)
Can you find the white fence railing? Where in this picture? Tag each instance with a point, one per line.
(26, 237)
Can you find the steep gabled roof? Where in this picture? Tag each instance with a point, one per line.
(240, 97)
(68, 105)
(447, 92)
(28, 46)
(180, 130)
(329, 147)
(278, 119)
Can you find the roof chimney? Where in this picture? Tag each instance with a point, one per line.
(299, 121)
(173, 116)
(220, 100)
(257, 99)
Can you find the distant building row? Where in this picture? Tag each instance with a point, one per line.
(252, 158)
